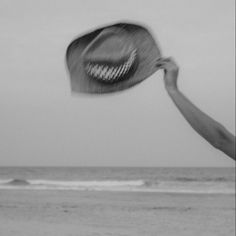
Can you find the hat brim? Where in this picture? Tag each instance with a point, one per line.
(148, 53)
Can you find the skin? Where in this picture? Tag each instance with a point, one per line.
(211, 130)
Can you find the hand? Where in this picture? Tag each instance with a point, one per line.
(171, 71)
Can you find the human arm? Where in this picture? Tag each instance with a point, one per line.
(203, 124)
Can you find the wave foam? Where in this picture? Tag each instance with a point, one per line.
(188, 187)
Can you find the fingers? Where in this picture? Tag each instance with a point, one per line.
(165, 63)
(162, 61)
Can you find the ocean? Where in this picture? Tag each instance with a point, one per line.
(126, 179)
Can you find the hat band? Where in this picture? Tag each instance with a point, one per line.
(106, 72)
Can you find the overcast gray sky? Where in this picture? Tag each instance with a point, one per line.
(42, 124)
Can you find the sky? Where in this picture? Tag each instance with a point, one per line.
(43, 124)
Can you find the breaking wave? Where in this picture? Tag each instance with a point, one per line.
(178, 186)
(69, 185)
(18, 182)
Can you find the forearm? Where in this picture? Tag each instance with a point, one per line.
(208, 128)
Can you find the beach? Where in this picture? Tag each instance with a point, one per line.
(103, 213)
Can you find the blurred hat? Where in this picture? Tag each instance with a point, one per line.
(111, 58)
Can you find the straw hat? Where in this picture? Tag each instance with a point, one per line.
(111, 58)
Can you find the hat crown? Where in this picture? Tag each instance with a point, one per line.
(111, 45)
(110, 56)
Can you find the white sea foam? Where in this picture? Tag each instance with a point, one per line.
(71, 185)
(192, 187)
(105, 183)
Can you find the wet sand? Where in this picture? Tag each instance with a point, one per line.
(91, 213)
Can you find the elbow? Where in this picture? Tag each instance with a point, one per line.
(227, 147)
(221, 138)
(220, 143)
(216, 137)
(224, 141)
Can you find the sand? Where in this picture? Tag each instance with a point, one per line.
(91, 213)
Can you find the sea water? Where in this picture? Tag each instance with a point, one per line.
(135, 179)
